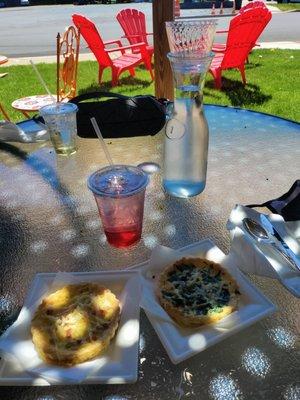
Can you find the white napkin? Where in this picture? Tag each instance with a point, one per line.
(259, 258)
(27, 131)
(17, 342)
(290, 231)
(11, 133)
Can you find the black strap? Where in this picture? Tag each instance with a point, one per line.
(259, 205)
(286, 205)
(97, 95)
(38, 119)
(283, 197)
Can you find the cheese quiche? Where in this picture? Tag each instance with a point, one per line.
(75, 324)
(196, 291)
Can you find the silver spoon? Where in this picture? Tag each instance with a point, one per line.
(259, 233)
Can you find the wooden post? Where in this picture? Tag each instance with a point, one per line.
(162, 11)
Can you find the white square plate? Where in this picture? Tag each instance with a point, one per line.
(182, 343)
(119, 364)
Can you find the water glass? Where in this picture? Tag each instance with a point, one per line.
(60, 119)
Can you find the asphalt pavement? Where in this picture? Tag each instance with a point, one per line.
(31, 31)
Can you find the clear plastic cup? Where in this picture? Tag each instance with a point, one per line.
(119, 192)
(60, 119)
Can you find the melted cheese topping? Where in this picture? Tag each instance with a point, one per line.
(76, 314)
(73, 325)
(197, 291)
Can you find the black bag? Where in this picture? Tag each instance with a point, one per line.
(119, 116)
(287, 205)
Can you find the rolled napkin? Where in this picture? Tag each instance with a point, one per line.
(290, 231)
(27, 131)
(261, 258)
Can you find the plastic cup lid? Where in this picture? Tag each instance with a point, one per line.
(118, 181)
(58, 108)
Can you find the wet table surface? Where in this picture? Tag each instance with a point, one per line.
(49, 223)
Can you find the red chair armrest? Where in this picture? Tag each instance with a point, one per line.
(137, 35)
(132, 46)
(117, 41)
(222, 31)
(127, 36)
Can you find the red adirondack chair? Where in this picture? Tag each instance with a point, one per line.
(125, 62)
(244, 29)
(217, 47)
(133, 23)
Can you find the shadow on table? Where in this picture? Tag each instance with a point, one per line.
(176, 211)
(51, 177)
(240, 95)
(12, 238)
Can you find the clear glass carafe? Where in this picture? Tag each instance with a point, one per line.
(186, 132)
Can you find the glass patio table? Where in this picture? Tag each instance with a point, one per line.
(49, 223)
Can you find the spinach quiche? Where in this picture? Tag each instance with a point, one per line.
(75, 324)
(196, 291)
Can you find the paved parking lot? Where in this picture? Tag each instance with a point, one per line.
(31, 31)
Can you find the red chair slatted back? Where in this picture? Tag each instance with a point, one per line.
(244, 30)
(133, 22)
(93, 39)
(253, 4)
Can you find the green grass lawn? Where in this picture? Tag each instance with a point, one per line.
(287, 6)
(273, 84)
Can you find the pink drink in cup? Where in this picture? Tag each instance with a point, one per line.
(119, 192)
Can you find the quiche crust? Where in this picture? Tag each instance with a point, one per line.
(197, 291)
(75, 324)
